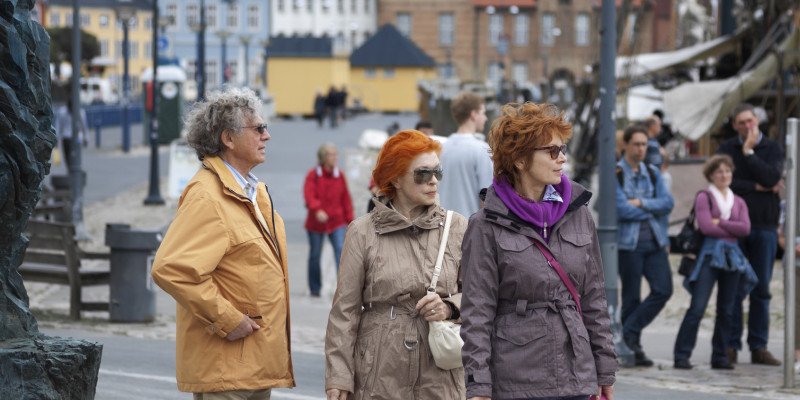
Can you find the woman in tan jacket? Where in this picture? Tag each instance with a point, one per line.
(376, 344)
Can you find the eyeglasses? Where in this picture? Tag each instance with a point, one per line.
(424, 175)
(261, 128)
(554, 150)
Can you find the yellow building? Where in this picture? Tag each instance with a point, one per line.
(387, 81)
(298, 67)
(98, 18)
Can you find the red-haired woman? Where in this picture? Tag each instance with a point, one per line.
(376, 343)
(535, 320)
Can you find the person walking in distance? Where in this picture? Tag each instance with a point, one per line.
(642, 200)
(224, 261)
(757, 179)
(465, 157)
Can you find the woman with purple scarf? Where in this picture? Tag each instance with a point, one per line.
(535, 320)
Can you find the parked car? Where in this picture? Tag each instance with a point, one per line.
(96, 90)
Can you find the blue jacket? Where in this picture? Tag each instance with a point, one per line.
(657, 203)
(726, 256)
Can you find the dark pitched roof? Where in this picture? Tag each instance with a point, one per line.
(390, 48)
(309, 47)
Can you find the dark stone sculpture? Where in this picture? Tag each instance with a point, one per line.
(32, 365)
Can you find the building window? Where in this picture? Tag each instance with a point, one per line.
(54, 19)
(353, 40)
(68, 19)
(495, 28)
(353, 6)
(148, 23)
(296, 5)
(388, 73)
(281, 5)
(103, 47)
(446, 29)
(134, 50)
(493, 74)
(103, 20)
(233, 16)
(548, 26)
(326, 5)
(211, 16)
(86, 20)
(445, 70)
(118, 49)
(133, 23)
(367, 6)
(192, 17)
(521, 28)
(172, 14)
(310, 6)
(519, 72)
(191, 70)
(340, 6)
(252, 16)
(582, 29)
(211, 71)
(370, 72)
(404, 23)
(148, 50)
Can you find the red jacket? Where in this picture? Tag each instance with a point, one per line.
(327, 190)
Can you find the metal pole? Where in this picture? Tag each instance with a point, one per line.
(154, 194)
(246, 43)
(76, 178)
(201, 53)
(606, 205)
(790, 233)
(126, 88)
(224, 37)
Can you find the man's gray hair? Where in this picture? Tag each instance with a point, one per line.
(230, 109)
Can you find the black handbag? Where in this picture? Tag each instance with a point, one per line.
(690, 239)
(687, 265)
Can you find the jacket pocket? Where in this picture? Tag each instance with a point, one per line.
(365, 360)
(522, 355)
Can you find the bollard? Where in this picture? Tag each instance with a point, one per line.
(132, 295)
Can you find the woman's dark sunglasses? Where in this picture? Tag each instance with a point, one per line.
(424, 175)
(261, 128)
(554, 150)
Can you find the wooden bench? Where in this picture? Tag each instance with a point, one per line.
(53, 256)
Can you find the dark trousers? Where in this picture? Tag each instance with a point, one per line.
(759, 247)
(315, 252)
(66, 145)
(727, 285)
(650, 261)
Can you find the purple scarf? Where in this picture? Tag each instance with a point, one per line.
(541, 215)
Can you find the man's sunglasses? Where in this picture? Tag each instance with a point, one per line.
(554, 150)
(424, 175)
(261, 128)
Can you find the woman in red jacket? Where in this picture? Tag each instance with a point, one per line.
(330, 210)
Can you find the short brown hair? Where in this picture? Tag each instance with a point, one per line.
(632, 130)
(462, 106)
(520, 129)
(397, 154)
(742, 108)
(714, 162)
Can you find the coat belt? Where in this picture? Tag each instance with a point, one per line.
(557, 306)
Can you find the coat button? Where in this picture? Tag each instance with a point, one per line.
(211, 329)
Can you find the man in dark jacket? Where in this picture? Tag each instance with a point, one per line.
(756, 179)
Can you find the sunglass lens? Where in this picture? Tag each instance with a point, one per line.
(261, 128)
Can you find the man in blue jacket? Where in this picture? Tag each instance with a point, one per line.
(756, 179)
(643, 207)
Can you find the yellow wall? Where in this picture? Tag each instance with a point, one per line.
(140, 34)
(293, 81)
(380, 93)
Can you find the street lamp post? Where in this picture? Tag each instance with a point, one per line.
(125, 11)
(245, 39)
(224, 35)
(154, 192)
(199, 27)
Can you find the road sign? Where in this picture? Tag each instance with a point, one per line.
(163, 43)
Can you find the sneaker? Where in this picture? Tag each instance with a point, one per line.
(641, 360)
(721, 364)
(683, 364)
(764, 357)
(314, 294)
(733, 356)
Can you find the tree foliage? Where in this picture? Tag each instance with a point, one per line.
(61, 45)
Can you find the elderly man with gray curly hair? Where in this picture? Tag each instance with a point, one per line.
(224, 260)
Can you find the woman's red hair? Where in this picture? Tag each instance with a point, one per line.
(520, 129)
(397, 154)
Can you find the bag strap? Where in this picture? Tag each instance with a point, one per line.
(563, 275)
(692, 217)
(438, 268)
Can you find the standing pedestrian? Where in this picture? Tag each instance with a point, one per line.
(223, 259)
(376, 344)
(63, 127)
(332, 103)
(756, 179)
(535, 317)
(642, 201)
(330, 210)
(722, 218)
(465, 157)
(319, 107)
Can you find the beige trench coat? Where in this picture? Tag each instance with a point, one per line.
(376, 343)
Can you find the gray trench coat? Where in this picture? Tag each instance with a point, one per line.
(376, 343)
(523, 335)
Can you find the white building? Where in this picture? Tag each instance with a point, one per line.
(349, 22)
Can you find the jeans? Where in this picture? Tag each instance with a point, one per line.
(648, 260)
(727, 288)
(315, 241)
(759, 247)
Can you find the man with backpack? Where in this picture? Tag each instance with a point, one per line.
(643, 206)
